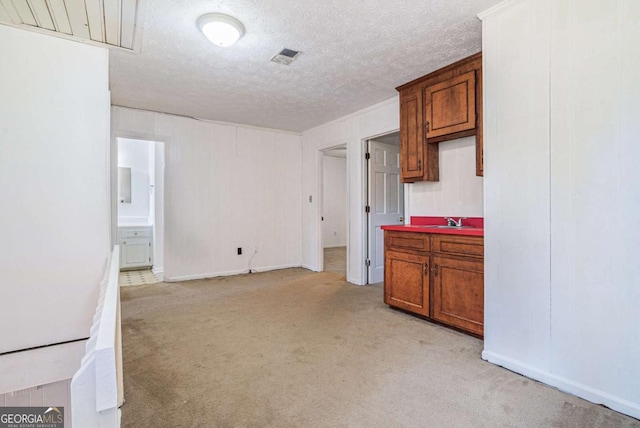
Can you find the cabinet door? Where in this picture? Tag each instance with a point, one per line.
(450, 106)
(406, 282)
(411, 137)
(135, 253)
(458, 293)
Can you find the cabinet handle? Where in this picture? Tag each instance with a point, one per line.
(426, 127)
(435, 270)
(426, 268)
(420, 164)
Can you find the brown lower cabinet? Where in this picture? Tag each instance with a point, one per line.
(437, 276)
(407, 276)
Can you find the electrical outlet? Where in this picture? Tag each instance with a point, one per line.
(310, 198)
(239, 251)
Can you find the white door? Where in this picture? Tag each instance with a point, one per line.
(386, 201)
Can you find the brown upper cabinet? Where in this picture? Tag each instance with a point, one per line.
(450, 106)
(440, 106)
(411, 138)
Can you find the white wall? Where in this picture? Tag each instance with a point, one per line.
(135, 154)
(351, 130)
(54, 125)
(562, 184)
(516, 156)
(226, 186)
(334, 201)
(459, 193)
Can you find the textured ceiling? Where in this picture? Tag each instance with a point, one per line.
(354, 55)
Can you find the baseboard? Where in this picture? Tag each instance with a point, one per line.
(158, 272)
(356, 281)
(566, 385)
(335, 246)
(311, 268)
(227, 273)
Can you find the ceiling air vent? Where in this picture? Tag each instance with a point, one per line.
(285, 56)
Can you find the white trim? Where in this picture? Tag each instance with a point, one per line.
(320, 204)
(97, 389)
(566, 385)
(35, 367)
(349, 193)
(383, 134)
(242, 125)
(497, 9)
(213, 121)
(106, 339)
(309, 267)
(364, 237)
(228, 273)
(113, 200)
(318, 210)
(71, 37)
(354, 114)
(364, 147)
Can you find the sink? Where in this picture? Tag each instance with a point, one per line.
(434, 226)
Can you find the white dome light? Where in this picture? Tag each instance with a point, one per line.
(221, 30)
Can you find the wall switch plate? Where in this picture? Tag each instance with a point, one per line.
(239, 251)
(310, 198)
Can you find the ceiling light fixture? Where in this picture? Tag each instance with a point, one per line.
(222, 30)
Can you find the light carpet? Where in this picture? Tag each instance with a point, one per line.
(293, 348)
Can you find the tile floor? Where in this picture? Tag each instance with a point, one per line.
(137, 277)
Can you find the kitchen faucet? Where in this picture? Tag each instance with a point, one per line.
(452, 222)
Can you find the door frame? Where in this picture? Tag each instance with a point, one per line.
(356, 244)
(320, 204)
(113, 170)
(364, 147)
(370, 202)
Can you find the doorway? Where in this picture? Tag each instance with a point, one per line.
(334, 211)
(139, 201)
(385, 198)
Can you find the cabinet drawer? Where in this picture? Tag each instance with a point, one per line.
(142, 232)
(456, 245)
(403, 241)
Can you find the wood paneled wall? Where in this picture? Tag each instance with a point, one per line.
(226, 186)
(562, 101)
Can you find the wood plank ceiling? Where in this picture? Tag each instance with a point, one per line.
(115, 23)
